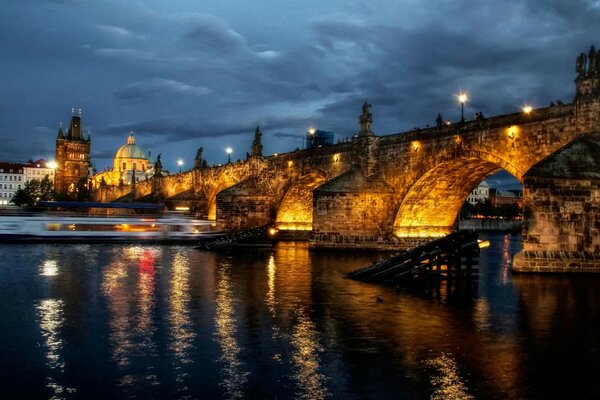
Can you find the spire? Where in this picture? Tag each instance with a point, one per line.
(131, 138)
(60, 135)
(75, 132)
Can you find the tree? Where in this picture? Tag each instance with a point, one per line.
(34, 191)
(47, 189)
(22, 198)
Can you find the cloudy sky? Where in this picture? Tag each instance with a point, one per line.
(189, 73)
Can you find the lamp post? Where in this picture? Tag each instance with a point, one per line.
(180, 163)
(462, 98)
(228, 150)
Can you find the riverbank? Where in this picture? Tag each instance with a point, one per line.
(486, 224)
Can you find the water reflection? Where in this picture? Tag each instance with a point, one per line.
(286, 324)
(233, 374)
(129, 286)
(182, 334)
(305, 340)
(270, 297)
(49, 268)
(51, 318)
(446, 379)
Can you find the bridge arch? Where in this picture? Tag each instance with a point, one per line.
(433, 202)
(295, 211)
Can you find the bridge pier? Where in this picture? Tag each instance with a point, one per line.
(353, 210)
(561, 230)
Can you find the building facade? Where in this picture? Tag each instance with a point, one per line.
(480, 194)
(72, 157)
(38, 170)
(130, 161)
(12, 179)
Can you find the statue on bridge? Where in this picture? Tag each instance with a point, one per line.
(580, 65)
(198, 163)
(257, 147)
(365, 120)
(587, 67)
(158, 166)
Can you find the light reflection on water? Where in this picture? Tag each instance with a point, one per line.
(49, 268)
(174, 322)
(446, 379)
(51, 319)
(181, 329)
(305, 340)
(233, 372)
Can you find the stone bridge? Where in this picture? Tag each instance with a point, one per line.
(376, 191)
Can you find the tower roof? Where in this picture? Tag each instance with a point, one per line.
(75, 132)
(131, 150)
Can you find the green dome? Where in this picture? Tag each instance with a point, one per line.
(131, 150)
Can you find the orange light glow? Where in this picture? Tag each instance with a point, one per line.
(512, 131)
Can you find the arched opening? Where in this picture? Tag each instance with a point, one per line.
(432, 204)
(296, 209)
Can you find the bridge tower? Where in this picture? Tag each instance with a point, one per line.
(72, 157)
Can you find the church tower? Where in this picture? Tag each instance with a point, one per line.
(72, 157)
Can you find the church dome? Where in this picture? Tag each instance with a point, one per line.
(131, 150)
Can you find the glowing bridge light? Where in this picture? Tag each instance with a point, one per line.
(52, 164)
(527, 109)
(483, 243)
(414, 146)
(462, 99)
(311, 130)
(512, 131)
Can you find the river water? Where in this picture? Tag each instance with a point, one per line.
(126, 321)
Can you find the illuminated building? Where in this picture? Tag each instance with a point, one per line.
(11, 180)
(38, 170)
(130, 159)
(72, 157)
(480, 194)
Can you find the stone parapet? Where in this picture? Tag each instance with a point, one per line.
(557, 261)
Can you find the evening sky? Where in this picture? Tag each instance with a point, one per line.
(189, 73)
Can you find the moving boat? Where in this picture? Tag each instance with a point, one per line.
(66, 228)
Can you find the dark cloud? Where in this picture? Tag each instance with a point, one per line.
(212, 34)
(159, 86)
(189, 75)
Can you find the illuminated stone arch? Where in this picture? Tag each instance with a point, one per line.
(295, 211)
(432, 204)
(212, 187)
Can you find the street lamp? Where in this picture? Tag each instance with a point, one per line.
(462, 98)
(52, 164)
(527, 109)
(180, 163)
(228, 150)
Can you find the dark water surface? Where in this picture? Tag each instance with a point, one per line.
(118, 321)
